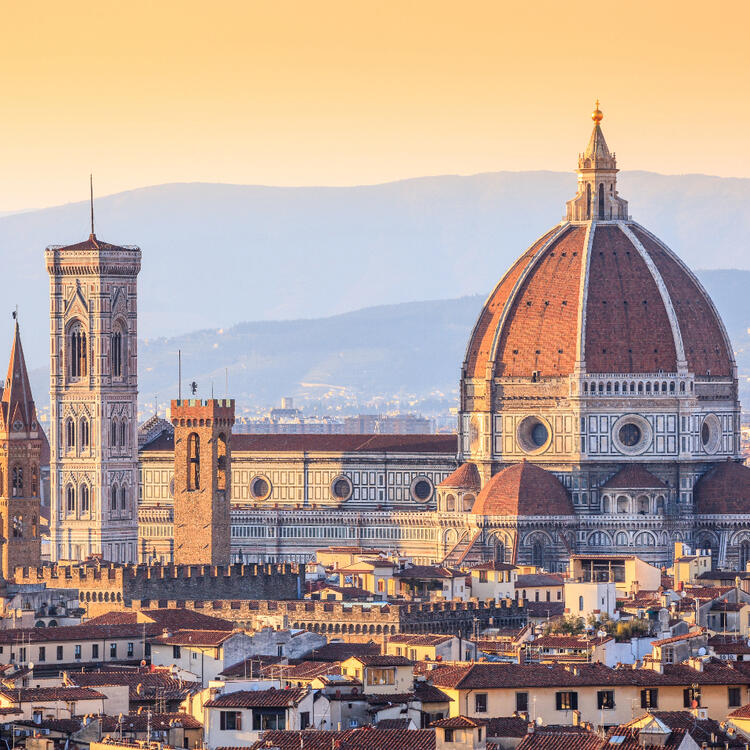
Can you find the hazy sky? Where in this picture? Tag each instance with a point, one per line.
(316, 92)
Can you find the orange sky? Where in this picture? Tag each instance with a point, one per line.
(316, 92)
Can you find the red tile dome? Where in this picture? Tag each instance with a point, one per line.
(723, 489)
(608, 294)
(523, 489)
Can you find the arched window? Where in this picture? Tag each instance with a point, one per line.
(588, 200)
(601, 200)
(18, 527)
(17, 481)
(34, 527)
(221, 462)
(70, 498)
(643, 505)
(617, 387)
(640, 387)
(77, 355)
(450, 503)
(623, 504)
(605, 504)
(682, 386)
(113, 433)
(585, 387)
(660, 504)
(124, 432)
(34, 480)
(744, 555)
(537, 554)
(70, 434)
(118, 352)
(123, 497)
(671, 386)
(580, 604)
(84, 498)
(621, 539)
(84, 433)
(113, 497)
(648, 387)
(194, 461)
(645, 540)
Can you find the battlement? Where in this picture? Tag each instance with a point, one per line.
(208, 409)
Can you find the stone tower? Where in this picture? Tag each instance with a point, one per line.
(93, 400)
(21, 444)
(202, 478)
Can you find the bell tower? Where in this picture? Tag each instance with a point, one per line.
(21, 443)
(93, 400)
(202, 486)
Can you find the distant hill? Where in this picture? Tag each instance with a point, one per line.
(407, 355)
(218, 254)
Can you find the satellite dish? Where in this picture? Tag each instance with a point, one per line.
(601, 633)
(539, 721)
(702, 651)
(31, 665)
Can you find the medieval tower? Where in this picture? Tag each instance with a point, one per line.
(21, 443)
(93, 400)
(202, 491)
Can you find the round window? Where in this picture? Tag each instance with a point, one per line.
(630, 434)
(705, 433)
(421, 489)
(711, 433)
(534, 435)
(18, 425)
(260, 488)
(341, 488)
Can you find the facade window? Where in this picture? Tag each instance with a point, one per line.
(268, 719)
(448, 735)
(480, 703)
(117, 352)
(566, 700)
(691, 697)
(42, 653)
(650, 698)
(735, 697)
(59, 654)
(84, 498)
(230, 721)
(77, 651)
(176, 653)
(84, 433)
(113, 433)
(123, 433)
(194, 461)
(34, 481)
(131, 649)
(94, 650)
(77, 351)
(17, 479)
(605, 699)
(70, 498)
(221, 462)
(113, 497)
(522, 702)
(112, 650)
(123, 497)
(381, 676)
(482, 576)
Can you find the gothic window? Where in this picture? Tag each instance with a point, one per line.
(123, 433)
(34, 527)
(2, 483)
(221, 462)
(84, 498)
(601, 200)
(17, 481)
(84, 433)
(118, 352)
(77, 351)
(194, 462)
(113, 433)
(537, 554)
(70, 434)
(34, 481)
(113, 497)
(18, 527)
(70, 498)
(123, 497)
(588, 200)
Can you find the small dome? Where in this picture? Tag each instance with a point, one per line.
(724, 489)
(523, 490)
(465, 477)
(634, 477)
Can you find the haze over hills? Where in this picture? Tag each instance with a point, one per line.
(405, 356)
(214, 255)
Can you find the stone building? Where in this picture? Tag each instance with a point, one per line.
(23, 447)
(93, 399)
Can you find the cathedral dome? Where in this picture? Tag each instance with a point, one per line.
(523, 489)
(598, 293)
(725, 489)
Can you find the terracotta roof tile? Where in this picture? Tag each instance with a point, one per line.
(523, 489)
(364, 738)
(259, 698)
(634, 477)
(465, 477)
(725, 489)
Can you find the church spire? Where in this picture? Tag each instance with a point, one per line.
(17, 401)
(597, 196)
